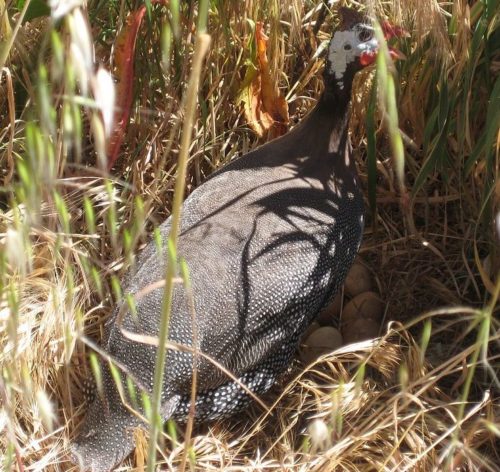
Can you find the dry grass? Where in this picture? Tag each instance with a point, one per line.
(422, 397)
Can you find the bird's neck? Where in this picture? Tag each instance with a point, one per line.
(329, 120)
(318, 147)
(338, 90)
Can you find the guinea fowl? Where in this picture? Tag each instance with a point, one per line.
(268, 239)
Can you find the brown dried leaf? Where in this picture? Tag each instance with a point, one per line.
(266, 110)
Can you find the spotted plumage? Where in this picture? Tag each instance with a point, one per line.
(268, 240)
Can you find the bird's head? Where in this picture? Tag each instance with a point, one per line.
(354, 46)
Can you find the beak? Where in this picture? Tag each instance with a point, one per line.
(391, 31)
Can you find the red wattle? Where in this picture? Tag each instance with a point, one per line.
(367, 58)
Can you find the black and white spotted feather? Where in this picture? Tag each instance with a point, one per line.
(268, 240)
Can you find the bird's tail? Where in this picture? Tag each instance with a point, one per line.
(107, 436)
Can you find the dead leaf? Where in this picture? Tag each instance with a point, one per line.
(124, 72)
(266, 110)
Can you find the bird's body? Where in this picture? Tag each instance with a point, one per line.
(264, 258)
(268, 240)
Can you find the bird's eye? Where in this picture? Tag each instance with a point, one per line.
(347, 47)
(365, 35)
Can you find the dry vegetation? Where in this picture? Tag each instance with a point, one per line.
(424, 396)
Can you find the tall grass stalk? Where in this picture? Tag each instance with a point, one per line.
(186, 279)
(7, 46)
(387, 92)
(201, 49)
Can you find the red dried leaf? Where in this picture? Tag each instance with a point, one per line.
(124, 63)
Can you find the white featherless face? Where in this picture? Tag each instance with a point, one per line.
(353, 46)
